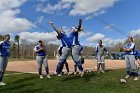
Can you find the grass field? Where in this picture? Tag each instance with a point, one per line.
(90, 83)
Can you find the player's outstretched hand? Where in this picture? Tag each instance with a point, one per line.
(80, 21)
(50, 22)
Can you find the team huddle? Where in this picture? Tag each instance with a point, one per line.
(70, 46)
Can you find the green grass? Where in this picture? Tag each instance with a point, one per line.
(90, 83)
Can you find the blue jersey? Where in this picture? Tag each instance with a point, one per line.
(76, 41)
(40, 53)
(130, 46)
(80, 48)
(136, 53)
(73, 37)
(65, 40)
(100, 50)
(4, 48)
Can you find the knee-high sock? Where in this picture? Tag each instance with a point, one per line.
(98, 66)
(1, 76)
(67, 67)
(47, 70)
(136, 73)
(128, 72)
(75, 68)
(60, 67)
(40, 71)
(103, 66)
(79, 66)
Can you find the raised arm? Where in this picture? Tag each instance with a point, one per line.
(79, 25)
(1, 42)
(51, 23)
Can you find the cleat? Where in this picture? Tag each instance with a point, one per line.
(59, 75)
(2, 84)
(48, 76)
(41, 77)
(81, 74)
(127, 76)
(136, 78)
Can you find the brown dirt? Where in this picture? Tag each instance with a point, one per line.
(31, 66)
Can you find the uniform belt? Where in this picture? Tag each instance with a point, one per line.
(129, 54)
(66, 46)
(74, 45)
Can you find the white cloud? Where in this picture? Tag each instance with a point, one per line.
(43, 1)
(95, 37)
(84, 34)
(10, 23)
(135, 32)
(10, 4)
(109, 27)
(8, 17)
(106, 41)
(39, 20)
(109, 41)
(51, 9)
(89, 17)
(84, 7)
(78, 7)
(35, 36)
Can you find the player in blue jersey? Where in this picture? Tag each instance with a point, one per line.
(80, 57)
(74, 39)
(67, 48)
(41, 58)
(137, 57)
(4, 53)
(100, 55)
(59, 53)
(130, 58)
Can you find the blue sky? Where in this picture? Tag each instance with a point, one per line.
(113, 17)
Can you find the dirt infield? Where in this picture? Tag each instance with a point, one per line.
(31, 66)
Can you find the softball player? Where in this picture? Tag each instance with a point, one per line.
(137, 57)
(41, 58)
(80, 53)
(59, 53)
(67, 45)
(130, 58)
(4, 53)
(75, 46)
(65, 51)
(100, 54)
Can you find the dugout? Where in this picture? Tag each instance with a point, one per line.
(117, 55)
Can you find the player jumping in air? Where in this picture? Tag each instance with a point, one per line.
(69, 45)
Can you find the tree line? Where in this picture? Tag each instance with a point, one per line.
(24, 49)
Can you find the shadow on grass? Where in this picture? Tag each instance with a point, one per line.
(108, 71)
(31, 91)
(20, 80)
(15, 87)
(20, 89)
(87, 77)
(18, 84)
